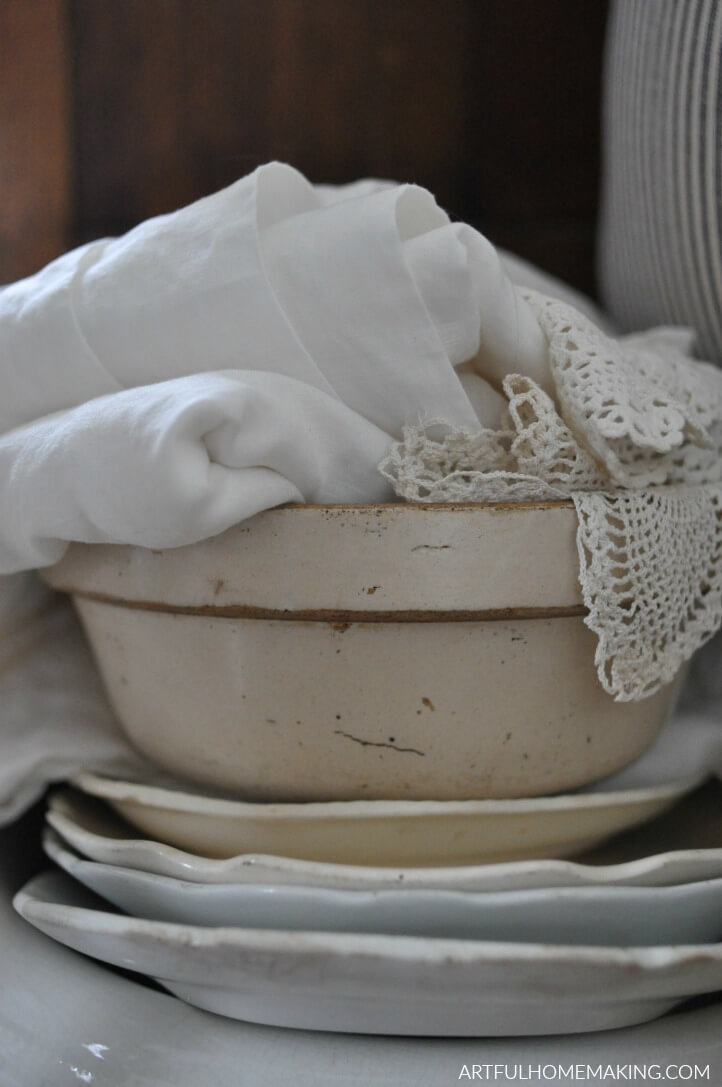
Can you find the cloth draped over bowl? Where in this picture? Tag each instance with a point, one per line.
(349, 308)
(261, 346)
(267, 344)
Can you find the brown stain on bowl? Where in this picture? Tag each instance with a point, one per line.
(339, 618)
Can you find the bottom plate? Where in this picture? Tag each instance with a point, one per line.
(380, 984)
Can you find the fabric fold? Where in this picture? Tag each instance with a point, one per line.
(187, 292)
(169, 464)
(46, 363)
(341, 277)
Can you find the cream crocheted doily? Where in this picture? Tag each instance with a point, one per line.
(635, 440)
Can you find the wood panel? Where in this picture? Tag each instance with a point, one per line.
(175, 99)
(492, 105)
(35, 154)
(533, 185)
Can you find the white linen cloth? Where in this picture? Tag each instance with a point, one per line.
(342, 314)
(261, 346)
(175, 462)
(231, 282)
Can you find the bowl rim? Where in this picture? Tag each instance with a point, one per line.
(339, 608)
(446, 507)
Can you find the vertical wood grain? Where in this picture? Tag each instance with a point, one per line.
(35, 153)
(176, 99)
(492, 105)
(533, 183)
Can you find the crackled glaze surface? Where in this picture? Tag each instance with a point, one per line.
(385, 652)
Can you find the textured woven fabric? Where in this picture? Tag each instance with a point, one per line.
(650, 566)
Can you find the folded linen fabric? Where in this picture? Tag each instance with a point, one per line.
(176, 462)
(230, 282)
(54, 716)
(363, 301)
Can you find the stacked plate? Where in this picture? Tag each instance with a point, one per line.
(394, 917)
(339, 666)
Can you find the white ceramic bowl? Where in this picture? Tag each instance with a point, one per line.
(338, 652)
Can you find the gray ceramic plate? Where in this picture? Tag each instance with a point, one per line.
(603, 916)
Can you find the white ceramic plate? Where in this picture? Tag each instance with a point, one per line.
(601, 916)
(411, 833)
(92, 829)
(380, 984)
(66, 1019)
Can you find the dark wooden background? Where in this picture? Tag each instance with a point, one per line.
(114, 110)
